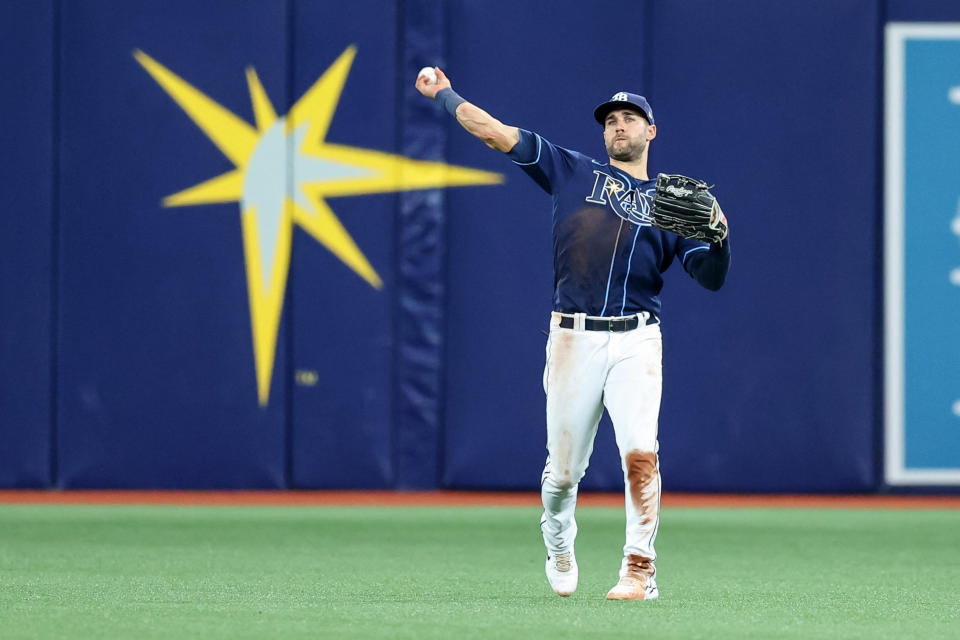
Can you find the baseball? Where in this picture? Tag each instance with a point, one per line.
(429, 73)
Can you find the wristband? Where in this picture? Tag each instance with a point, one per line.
(449, 99)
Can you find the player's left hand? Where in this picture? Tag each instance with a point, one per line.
(718, 221)
(686, 207)
(430, 90)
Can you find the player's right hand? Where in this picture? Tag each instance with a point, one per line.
(424, 86)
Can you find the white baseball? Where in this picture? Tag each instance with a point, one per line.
(429, 73)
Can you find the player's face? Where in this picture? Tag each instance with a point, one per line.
(626, 134)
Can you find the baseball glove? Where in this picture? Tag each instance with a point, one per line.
(686, 207)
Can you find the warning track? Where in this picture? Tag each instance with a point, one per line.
(469, 498)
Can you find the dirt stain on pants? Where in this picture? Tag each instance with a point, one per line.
(642, 475)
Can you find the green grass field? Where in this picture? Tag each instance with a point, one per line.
(437, 572)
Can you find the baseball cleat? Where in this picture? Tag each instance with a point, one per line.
(563, 573)
(634, 588)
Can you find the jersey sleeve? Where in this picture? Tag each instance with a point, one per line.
(707, 263)
(550, 166)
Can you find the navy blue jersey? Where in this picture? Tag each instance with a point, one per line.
(607, 258)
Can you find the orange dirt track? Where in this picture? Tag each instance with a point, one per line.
(466, 498)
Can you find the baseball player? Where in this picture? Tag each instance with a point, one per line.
(604, 347)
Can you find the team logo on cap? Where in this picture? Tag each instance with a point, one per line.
(620, 97)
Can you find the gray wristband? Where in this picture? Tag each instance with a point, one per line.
(449, 99)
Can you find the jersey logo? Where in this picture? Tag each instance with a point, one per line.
(633, 205)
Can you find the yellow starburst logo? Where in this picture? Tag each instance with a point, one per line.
(271, 201)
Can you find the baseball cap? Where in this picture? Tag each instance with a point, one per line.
(624, 100)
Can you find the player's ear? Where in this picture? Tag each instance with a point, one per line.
(651, 132)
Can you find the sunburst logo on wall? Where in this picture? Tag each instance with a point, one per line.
(269, 206)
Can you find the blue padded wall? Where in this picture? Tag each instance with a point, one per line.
(343, 327)
(155, 386)
(126, 331)
(751, 372)
(770, 382)
(27, 224)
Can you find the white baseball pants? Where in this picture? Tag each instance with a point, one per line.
(585, 372)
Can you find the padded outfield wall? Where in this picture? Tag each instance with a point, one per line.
(190, 299)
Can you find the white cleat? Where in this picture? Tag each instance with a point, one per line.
(634, 588)
(563, 573)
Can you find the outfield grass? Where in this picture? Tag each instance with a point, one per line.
(432, 572)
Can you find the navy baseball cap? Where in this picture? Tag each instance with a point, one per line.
(624, 100)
